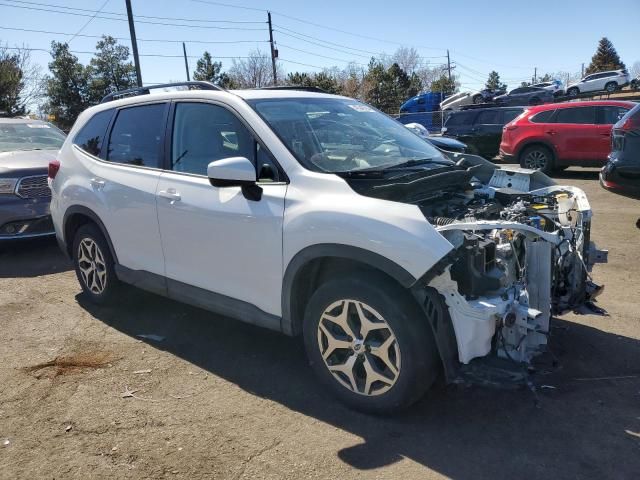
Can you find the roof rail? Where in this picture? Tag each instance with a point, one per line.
(294, 87)
(134, 92)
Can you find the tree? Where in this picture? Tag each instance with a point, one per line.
(255, 71)
(110, 70)
(635, 69)
(444, 84)
(605, 58)
(408, 59)
(67, 88)
(20, 82)
(494, 83)
(210, 71)
(388, 88)
(325, 80)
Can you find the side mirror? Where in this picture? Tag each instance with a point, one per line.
(235, 172)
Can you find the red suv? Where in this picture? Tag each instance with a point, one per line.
(555, 136)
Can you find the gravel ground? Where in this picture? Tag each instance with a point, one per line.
(83, 395)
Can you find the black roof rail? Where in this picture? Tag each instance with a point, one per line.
(134, 92)
(294, 87)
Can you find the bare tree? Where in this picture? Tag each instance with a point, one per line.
(635, 69)
(408, 59)
(255, 71)
(21, 81)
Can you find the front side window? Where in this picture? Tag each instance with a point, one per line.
(341, 135)
(488, 117)
(611, 114)
(137, 135)
(204, 133)
(577, 115)
(21, 136)
(91, 136)
(462, 118)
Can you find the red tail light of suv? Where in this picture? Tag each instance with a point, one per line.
(555, 136)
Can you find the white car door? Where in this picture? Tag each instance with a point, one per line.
(589, 84)
(124, 184)
(214, 238)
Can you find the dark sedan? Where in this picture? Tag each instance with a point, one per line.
(524, 96)
(26, 147)
(622, 173)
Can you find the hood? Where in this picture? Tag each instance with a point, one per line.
(446, 142)
(25, 162)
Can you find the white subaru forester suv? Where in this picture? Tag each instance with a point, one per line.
(317, 215)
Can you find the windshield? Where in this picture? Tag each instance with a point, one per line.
(342, 135)
(29, 136)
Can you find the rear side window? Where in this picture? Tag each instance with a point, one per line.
(509, 115)
(610, 114)
(137, 135)
(462, 118)
(488, 117)
(90, 137)
(542, 117)
(577, 115)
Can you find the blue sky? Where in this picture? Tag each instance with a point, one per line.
(511, 37)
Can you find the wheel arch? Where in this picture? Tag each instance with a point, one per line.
(76, 216)
(311, 266)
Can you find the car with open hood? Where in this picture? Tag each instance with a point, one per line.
(318, 216)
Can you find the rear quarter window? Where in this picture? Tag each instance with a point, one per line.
(460, 118)
(542, 117)
(90, 138)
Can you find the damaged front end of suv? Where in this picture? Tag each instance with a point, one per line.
(521, 254)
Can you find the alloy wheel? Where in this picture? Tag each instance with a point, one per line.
(536, 160)
(358, 347)
(92, 266)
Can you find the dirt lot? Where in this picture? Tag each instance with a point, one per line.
(83, 396)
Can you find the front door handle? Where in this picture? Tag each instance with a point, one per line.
(606, 134)
(97, 183)
(170, 194)
(551, 132)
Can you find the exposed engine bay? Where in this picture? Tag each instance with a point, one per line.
(522, 251)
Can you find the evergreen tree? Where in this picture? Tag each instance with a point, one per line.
(110, 70)
(494, 83)
(444, 85)
(605, 58)
(11, 84)
(67, 88)
(210, 71)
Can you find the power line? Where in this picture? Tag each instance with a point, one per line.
(137, 21)
(160, 55)
(88, 21)
(124, 14)
(322, 56)
(48, 32)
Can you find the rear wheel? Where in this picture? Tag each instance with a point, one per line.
(94, 264)
(611, 87)
(537, 157)
(573, 92)
(369, 343)
(478, 99)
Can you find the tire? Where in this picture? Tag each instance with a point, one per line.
(537, 157)
(409, 363)
(94, 265)
(478, 99)
(573, 92)
(611, 87)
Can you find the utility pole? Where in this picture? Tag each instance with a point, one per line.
(449, 65)
(582, 74)
(274, 52)
(134, 43)
(535, 74)
(186, 62)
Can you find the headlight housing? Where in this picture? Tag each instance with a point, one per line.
(8, 186)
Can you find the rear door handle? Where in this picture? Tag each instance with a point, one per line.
(606, 134)
(551, 132)
(97, 183)
(170, 194)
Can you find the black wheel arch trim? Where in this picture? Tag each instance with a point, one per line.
(330, 250)
(87, 212)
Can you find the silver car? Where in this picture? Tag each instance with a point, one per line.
(26, 148)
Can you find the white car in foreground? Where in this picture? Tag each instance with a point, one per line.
(602, 81)
(317, 215)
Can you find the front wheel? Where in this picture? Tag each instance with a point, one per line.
(94, 264)
(573, 92)
(478, 100)
(369, 343)
(537, 157)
